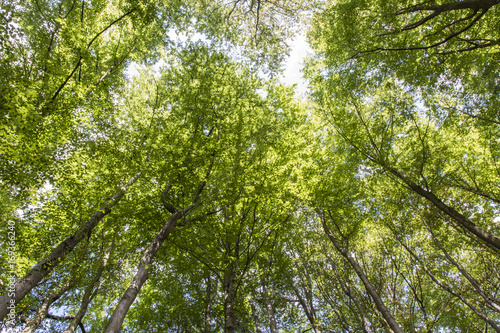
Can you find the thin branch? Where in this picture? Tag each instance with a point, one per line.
(110, 25)
(257, 21)
(62, 318)
(232, 10)
(88, 47)
(198, 218)
(214, 268)
(83, 8)
(451, 36)
(451, 291)
(51, 316)
(449, 25)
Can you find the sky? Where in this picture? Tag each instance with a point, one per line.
(292, 74)
(299, 51)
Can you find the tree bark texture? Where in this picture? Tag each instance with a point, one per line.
(46, 265)
(369, 287)
(88, 296)
(229, 298)
(43, 312)
(255, 315)
(116, 320)
(269, 306)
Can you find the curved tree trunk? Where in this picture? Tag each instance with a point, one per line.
(229, 298)
(369, 287)
(269, 306)
(464, 222)
(45, 267)
(43, 312)
(116, 320)
(87, 297)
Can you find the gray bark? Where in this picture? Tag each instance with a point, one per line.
(46, 266)
(88, 296)
(255, 315)
(368, 286)
(269, 306)
(116, 320)
(229, 298)
(43, 312)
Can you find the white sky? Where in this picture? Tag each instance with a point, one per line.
(295, 63)
(293, 67)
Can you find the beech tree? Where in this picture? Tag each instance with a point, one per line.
(157, 176)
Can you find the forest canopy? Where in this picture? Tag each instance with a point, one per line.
(203, 194)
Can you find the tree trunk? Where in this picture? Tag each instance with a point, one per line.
(255, 315)
(308, 309)
(464, 222)
(33, 324)
(452, 6)
(229, 298)
(44, 267)
(211, 292)
(87, 297)
(480, 314)
(269, 306)
(346, 288)
(116, 320)
(369, 288)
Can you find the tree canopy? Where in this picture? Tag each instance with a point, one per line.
(201, 193)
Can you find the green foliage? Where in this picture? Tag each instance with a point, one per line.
(403, 100)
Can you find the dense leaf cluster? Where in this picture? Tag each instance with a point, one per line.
(201, 194)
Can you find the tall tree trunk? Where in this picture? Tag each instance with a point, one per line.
(308, 308)
(368, 286)
(346, 288)
(255, 315)
(229, 298)
(116, 320)
(269, 306)
(211, 292)
(44, 267)
(480, 314)
(33, 324)
(88, 296)
(464, 222)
